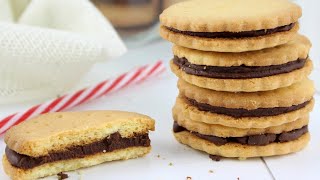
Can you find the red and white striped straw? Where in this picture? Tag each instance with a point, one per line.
(84, 95)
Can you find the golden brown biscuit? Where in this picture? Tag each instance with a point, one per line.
(229, 15)
(57, 131)
(69, 165)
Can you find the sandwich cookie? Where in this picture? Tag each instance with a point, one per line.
(262, 70)
(247, 146)
(59, 142)
(230, 26)
(244, 110)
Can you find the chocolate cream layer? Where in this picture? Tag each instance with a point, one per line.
(237, 72)
(109, 144)
(253, 140)
(240, 112)
(231, 35)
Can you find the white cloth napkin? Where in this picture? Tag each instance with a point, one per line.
(52, 46)
(5, 11)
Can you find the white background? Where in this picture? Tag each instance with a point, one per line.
(155, 98)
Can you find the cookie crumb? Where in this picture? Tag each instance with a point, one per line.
(171, 164)
(210, 171)
(189, 178)
(215, 157)
(62, 176)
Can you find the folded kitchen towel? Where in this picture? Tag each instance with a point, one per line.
(51, 47)
(5, 11)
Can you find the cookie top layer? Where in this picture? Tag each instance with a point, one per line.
(295, 94)
(298, 48)
(230, 15)
(57, 131)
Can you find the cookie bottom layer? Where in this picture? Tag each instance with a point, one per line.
(245, 85)
(73, 164)
(242, 151)
(229, 45)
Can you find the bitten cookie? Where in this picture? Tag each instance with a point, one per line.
(58, 142)
(245, 110)
(262, 70)
(230, 26)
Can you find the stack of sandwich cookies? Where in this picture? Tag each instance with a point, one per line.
(243, 76)
(59, 142)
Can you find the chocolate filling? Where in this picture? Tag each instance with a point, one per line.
(253, 140)
(238, 113)
(242, 34)
(237, 72)
(111, 143)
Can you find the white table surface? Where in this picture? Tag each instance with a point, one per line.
(156, 97)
